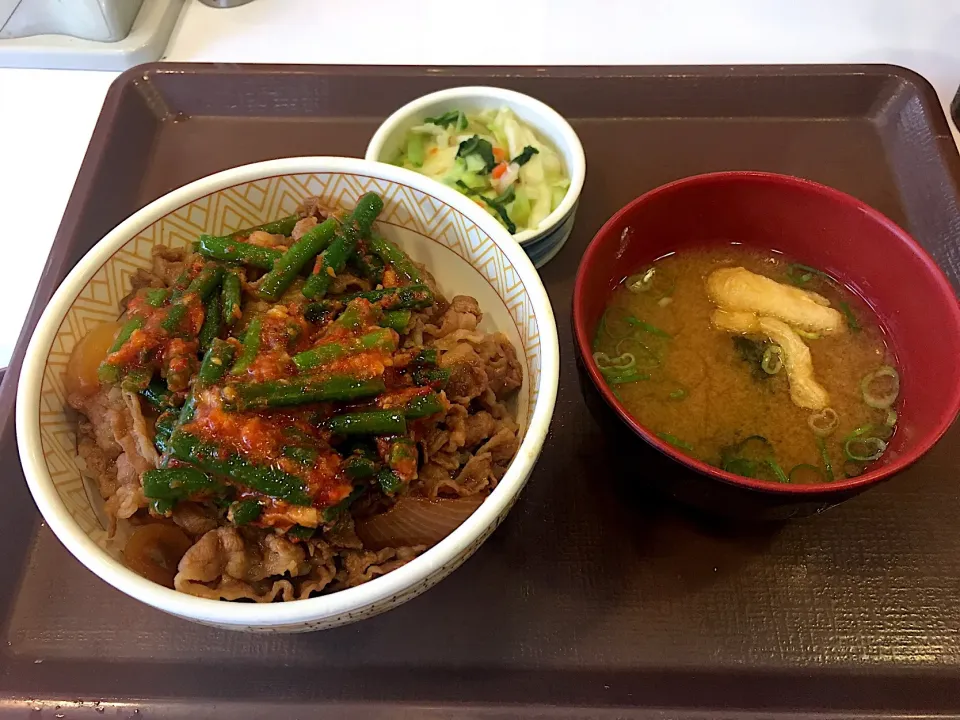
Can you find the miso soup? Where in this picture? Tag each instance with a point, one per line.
(763, 367)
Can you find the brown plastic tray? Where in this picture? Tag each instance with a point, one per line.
(589, 601)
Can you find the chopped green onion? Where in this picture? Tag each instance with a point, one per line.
(678, 394)
(618, 370)
(617, 376)
(675, 441)
(332, 514)
(864, 449)
(806, 335)
(881, 398)
(825, 456)
(891, 419)
(778, 472)
(389, 481)
(751, 457)
(136, 380)
(883, 432)
(245, 512)
(741, 466)
(303, 455)
(641, 282)
(805, 473)
(772, 361)
(756, 445)
(300, 532)
(756, 468)
(751, 352)
(647, 327)
(800, 274)
(852, 321)
(156, 297)
(823, 422)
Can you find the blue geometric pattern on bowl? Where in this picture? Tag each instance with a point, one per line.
(543, 248)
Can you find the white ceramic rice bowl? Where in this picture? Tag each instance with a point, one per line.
(466, 250)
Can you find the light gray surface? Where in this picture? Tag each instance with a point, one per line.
(6, 10)
(101, 20)
(145, 43)
(225, 3)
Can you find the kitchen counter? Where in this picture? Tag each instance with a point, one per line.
(46, 116)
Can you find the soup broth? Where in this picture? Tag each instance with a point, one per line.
(725, 397)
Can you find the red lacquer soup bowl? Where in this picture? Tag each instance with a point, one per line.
(818, 226)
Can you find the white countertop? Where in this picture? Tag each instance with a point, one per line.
(46, 116)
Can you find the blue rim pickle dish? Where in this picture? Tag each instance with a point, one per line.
(544, 242)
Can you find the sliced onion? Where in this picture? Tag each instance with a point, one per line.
(881, 399)
(416, 521)
(615, 323)
(81, 375)
(824, 422)
(884, 432)
(624, 361)
(620, 369)
(155, 550)
(641, 282)
(772, 361)
(645, 357)
(864, 449)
